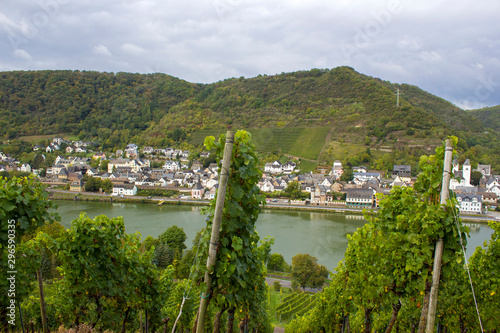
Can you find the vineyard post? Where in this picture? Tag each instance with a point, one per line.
(214, 239)
(438, 254)
(45, 328)
(21, 315)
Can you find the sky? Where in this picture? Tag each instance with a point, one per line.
(448, 48)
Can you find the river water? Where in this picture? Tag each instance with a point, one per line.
(322, 235)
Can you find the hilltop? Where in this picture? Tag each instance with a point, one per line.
(489, 117)
(317, 115)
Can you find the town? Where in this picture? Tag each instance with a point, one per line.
(133, 169)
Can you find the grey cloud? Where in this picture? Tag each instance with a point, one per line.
(448, 49)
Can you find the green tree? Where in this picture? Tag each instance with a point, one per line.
(149, 242)
(293, 189)
(38, 161)
(178, 135)
(104, 165)
(185, 266)
(307, 272)
(174, 237)
(475, 177)
(208, 160)
(106, 185)
(347, 175)
(163, 255)
(93, 184)
(277, 263)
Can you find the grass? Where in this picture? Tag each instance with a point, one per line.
(306, 166)
(343, 150)
(36, 138)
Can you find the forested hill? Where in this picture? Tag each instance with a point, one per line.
(45, 102)
(490, 117)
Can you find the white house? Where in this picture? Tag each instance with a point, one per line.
(470, 203)
(80, 150)
(171, 165)
(124, 189)
(275, 167)
(57, 141)
(360, 198)
(337, 170)
(359, 169)
(496, 190)
(484, 169)
(463, 175)
(25, 168)
(362, 177)
(289, 167)
(134, 165)
(267, 186)
(491, 183)
(91, 172)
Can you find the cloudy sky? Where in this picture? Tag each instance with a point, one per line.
(449, 48)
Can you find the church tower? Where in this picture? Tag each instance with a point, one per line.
(466, 172)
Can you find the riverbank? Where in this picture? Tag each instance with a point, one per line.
(56, 194)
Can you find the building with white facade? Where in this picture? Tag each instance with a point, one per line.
(337, 170)
(134, 165)
(360, 198)
(470, 203)
(463, 175)
(172, 165)
(124, 189)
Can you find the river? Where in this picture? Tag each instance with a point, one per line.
(322, 235)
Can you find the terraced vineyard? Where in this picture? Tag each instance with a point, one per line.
(199, 136)
(294, 306)
(297, 141)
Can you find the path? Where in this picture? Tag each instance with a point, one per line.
(279, 330)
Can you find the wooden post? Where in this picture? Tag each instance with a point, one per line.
(21, 315)
(214, 238)
(45, 328)
(438, 254)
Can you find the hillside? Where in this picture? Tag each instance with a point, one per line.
(490, 117)
(46, 102)
(318, 115)
(341, 99)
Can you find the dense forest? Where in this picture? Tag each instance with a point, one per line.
(490, 117)
(349, 112)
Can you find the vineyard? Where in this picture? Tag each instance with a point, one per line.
(297, 141)
(295, 305)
